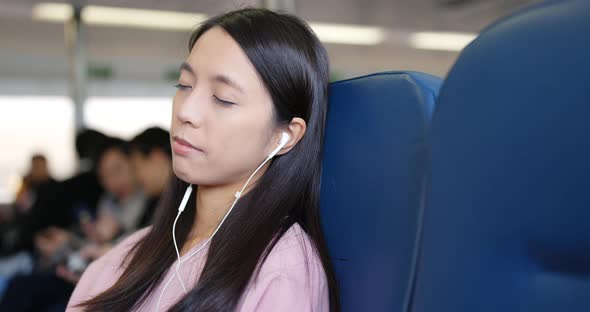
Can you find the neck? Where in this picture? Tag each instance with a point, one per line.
(213, 203)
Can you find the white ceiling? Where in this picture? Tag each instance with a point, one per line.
(35, 51)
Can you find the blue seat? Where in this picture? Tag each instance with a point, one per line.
(507, 218)
(373, 171)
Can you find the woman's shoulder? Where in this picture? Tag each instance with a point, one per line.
(291, 278)
(293, 253)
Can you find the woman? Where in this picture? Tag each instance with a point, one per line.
(251, 75)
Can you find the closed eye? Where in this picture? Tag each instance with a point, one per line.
(181, 86)
(223, 102)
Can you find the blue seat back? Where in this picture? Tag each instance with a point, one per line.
(373, 172)
(507, 218)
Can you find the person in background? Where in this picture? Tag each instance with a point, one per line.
(121, 208)
(58, 204)
(119, 211)
(151, 157)
(54, 204)
(36, 175)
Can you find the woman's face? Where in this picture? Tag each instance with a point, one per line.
(222, 120)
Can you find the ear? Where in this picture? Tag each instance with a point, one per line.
(296, 130)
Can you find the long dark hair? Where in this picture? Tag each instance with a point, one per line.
(293, 65)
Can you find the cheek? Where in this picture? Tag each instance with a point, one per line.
(236, 141)
(131, 176)
(141, 171)
(121, 180)
(233, 153)
(150, 177)
(241, 148)
(110, 184)
(144, 175)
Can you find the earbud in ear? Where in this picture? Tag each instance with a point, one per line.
(284, 140)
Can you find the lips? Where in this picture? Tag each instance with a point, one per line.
(183, 147)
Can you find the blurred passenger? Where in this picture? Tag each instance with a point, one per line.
(151, 156)
(121, 208)
(36, 177)
(55, 204)
(37, 174)
(119, 211)
(59, 203)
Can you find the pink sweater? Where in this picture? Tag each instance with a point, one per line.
(285, 282)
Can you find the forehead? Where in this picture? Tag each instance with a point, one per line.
(216, 53)
(39, 161)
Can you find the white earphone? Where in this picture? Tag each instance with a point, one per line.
(284, 140)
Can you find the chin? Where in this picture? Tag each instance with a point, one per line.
(182, 173)
(187, 175)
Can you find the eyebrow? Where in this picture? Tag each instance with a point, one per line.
(228, 81)
(187, 67)
(218, 78)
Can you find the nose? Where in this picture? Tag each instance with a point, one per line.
(189, 110)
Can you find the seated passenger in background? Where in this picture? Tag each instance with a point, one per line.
(37, 177)
(119, 212)
(151, 157)
(55, 203)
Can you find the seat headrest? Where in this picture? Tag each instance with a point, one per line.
(373, 169)
(507, 219)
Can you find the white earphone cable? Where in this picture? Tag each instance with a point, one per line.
(237, 195)
(177, 251)
(181, 208)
